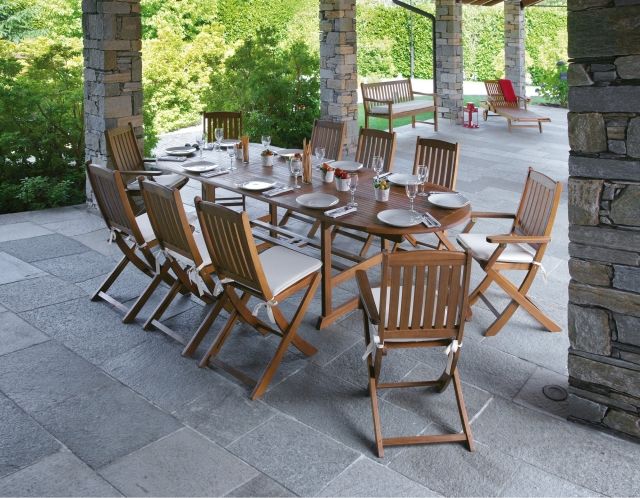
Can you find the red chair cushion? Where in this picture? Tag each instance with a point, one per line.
(507, 91)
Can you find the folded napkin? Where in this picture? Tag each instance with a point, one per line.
(175, 159)
(341, 211)
(277, 191)
(211, 174)
(429, 221)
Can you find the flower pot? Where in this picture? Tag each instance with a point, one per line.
(342, 184)
(328, 176)
(382, 194)
(267, 160)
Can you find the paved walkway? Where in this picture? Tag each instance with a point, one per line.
(89, 406)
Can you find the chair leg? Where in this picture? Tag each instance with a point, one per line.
(375, 412)
(366, 246)
(314, 228)
(413, 121)
(285, 218)
(131, 315)
(462, 410)
(111, 278)
(435, 120)
(204, 327)
(164, 304)
(215, 348)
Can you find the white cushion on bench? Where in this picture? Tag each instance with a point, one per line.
(411, 105)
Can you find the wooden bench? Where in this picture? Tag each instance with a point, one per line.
(396, 99)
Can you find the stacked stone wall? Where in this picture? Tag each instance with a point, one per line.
(449, 64)
(604, 213)
(515, 66)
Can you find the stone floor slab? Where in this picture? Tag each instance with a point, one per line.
(529, 481)
(77, 267)
(13, 269)
(367, 478)
(181, 464)
(43, 247)
(37, 292)
(297, 456)
(77, 226)
(24, 230)
(261, 485)
(16, 334)
(531, 394)
(23, 440)
(98, 241)
(106, 424)
(60, 474)
(129, 285)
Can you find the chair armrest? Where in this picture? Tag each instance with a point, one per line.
(518, 239)
(149, 159)
(422, 93)
(366, 297)
(142, 173)
(490, 214)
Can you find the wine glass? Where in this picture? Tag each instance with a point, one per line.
(319, 153)
(423, 173)
(232, 156)
(219, 133)
(378, 165)
(412, 190)
(266, 141)
(295, 165)
(201, 140)
(353, 184)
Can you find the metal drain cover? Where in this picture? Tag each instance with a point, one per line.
(555, 393)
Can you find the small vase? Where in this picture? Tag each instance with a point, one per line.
(342, 184)
(267, 160)
(382, 195)
(327, 176)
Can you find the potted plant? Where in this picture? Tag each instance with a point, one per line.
(381, 189)
(267, 157)
(328, 173)
(342, 180)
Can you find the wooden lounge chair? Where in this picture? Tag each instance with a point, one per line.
(125, 153)
(231, 124)
(512, 107)
(421, 303)
(271, 276)
(521, 249)
(132, 234)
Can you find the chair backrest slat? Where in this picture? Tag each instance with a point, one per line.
(372, 143)
(230, 122)
(494, 92)
(424, 296)
(538, 206)
(394, 90)
(124, 149)
(331, 136)
(111, 196)
(442, 159)
(169, 220)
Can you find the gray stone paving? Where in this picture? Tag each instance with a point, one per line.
(90, 406)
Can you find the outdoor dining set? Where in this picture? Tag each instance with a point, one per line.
(412, 279)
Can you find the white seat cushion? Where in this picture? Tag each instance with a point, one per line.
(284, 267)
(168, 180)
(145, 227)
(480, 249)
(411, 105)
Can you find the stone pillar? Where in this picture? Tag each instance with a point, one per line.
(112, 71)
(338, 68)
(604, 214)
(449, 58)
(515, 67)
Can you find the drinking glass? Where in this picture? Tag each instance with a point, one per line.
(412, 190)
(423, 173)
(266, 141)
(201, 140)
(295, 165)
(232, 156)
(378, 165)
(353, 184)
(219, 133)
(319, 153)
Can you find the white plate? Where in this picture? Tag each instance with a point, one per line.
(289, 152)
(402, 179)
(257, 185)
(180, 151)
(317, 200)
(448, 200)
(199, 166)
(349, 166)
(399, 218)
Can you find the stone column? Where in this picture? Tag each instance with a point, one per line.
(449, 57)
(112, 71)
(604, 215)
(515, 67)
(338, 68)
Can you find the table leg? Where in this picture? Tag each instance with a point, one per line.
(273, 218)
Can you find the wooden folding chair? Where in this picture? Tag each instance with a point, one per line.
(185, 256)
(231, 124)
(442, 159)
(132, 234)
(521, 249)
(272, 276)
(514, 111)
(421, 303)
(125, 153)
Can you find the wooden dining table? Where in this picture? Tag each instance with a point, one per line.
(338, 265)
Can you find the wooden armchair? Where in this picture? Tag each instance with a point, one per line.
(521, 249)
(271, 276)
(421, 303)
(331, 136)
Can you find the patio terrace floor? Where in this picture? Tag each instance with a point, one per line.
(90, 406)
